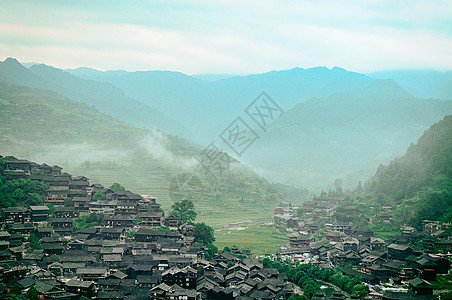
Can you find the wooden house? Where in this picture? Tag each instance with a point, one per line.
(39, 213)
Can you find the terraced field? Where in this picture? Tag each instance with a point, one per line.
(260, 238)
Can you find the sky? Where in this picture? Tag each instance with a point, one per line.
(228, 37)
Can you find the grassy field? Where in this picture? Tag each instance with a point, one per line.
(260, 238)
(386, 234)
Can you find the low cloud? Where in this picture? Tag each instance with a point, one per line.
(156, 145)
(68, 155)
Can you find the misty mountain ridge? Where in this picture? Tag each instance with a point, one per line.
(209, 106)
(343, 136)
(421, 83)
(104, 96)
(337, 124)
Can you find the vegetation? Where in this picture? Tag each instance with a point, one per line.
(20, 192)
(184, 211)
(32, 294)
(88, 220)
(99, 196)
(422, 178)
(442, 283)
(259, 238)
(117, 187)
(203, 234)
(15, 289)
(305, 276)
(412, 188)
(34, 242)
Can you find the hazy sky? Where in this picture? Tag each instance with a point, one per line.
(233, 36)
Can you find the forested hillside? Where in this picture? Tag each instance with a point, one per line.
(421, 178)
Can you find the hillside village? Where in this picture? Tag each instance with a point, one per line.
(397, 268)
(134, 253)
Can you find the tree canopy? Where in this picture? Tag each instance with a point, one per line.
(184, 211)
(117, 187)
(203, 233)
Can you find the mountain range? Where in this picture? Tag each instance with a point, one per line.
(344, 136)
(422, 84)
(104, 96)
(336, 124)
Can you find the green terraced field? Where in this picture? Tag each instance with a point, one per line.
(259, 238)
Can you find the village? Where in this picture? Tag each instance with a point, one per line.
(136, 252)
(397, 268)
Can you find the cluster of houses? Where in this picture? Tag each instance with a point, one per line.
(410, 259)
(126, 256)
(315, 212)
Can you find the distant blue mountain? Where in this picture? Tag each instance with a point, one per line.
(343, 136)
(337, 124)
(422, 84)
(207, 107)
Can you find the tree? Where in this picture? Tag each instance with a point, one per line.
(15, 289)
(184, 211)
(88, 221)
(117, 187)
(360, 290)
(98, 196)
(32, 294)
(297, 297)
(211, 250)
(34, 242)
(203, 234)
(51, 208)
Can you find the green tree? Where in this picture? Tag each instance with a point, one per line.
(51, 208)
(360, 290)
(99, 196)
(23, 192)
(211, 250)
(184, 211)
(203, 233)
(88, 221)
(117, 187)
(32, 294)
(15, 289)
(297, 297)
(34, 242)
